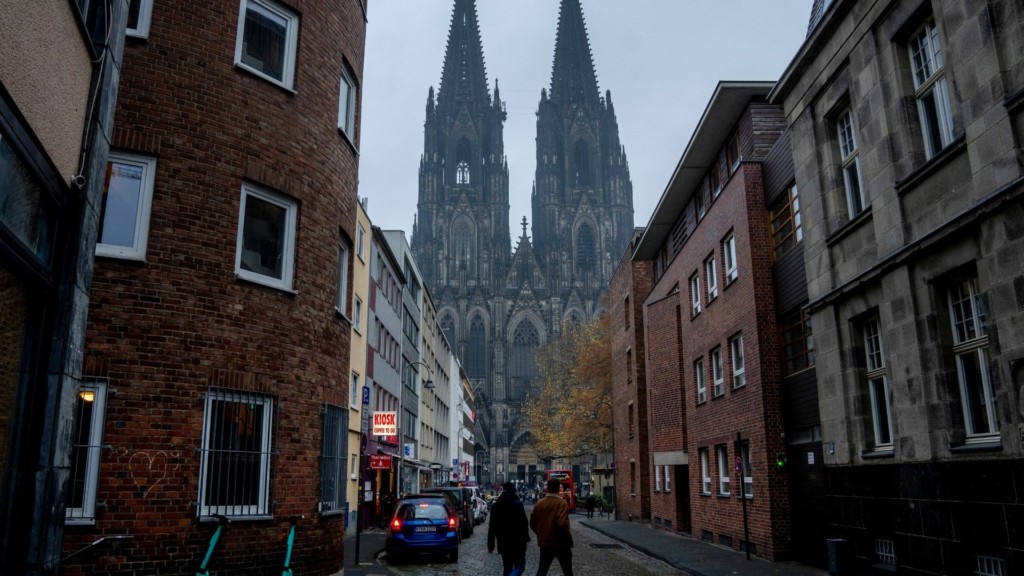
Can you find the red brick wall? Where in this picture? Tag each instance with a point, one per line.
(166, 330)
(743, 306)
(632, 279)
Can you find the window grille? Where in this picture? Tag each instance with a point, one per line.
(332, 459)
(885, 551)
(236, 454)
(989, 565)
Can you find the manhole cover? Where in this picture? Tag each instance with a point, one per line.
(604, 546)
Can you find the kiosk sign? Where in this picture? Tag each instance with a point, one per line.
(385, 424)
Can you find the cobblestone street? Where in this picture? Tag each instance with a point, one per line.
(593, 554)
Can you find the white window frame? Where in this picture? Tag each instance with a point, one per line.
(695, 294)
(987, 565)
(748, 475)
(794, 206)
(657, 478)
(261, 507)
(926, 68)
(722, 458)
(711, 275)
(141, 29)
(360, 241)
(729, 253)
(137, 250)
(353, 391)
(705, 472)
(970, 338)
(344, 254)
(739, 367)
(347, 107)
(700, 379)
(856, 200)
(291, 21)
(288, 249)
(668, 478)
(878, 385)
(357, 313)
(86, 514)
(717, 373)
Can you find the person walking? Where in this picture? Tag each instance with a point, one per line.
(509, 528)
(590, 504)
(550, 521)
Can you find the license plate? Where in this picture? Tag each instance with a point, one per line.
(424, 528)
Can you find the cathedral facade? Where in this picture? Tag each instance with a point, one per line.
(497, 304)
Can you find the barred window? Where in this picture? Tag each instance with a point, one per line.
(86, 452)
(234, 478)
(332, 459)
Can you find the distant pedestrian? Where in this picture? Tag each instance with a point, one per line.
(510, 529)
(550, 521)
(590, 504)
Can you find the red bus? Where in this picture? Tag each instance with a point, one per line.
(566, 490)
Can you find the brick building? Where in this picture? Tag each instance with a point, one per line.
(220, 324)
(715, 419)
(906, 119)
(630, 285)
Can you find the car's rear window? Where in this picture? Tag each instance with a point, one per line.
(422, 511)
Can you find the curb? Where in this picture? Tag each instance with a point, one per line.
(644, 550)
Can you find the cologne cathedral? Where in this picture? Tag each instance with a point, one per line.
(497, 303)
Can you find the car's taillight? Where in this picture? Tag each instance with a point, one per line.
(451, 522)
(396, 525)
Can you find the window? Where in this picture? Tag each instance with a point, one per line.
(266, 238)
(353, 391)
(711, 277)
(332, 459)
(787, 226)
(797, 343)
(986, 565)
(630, 420)
(234, 477)
(267, 37)
(353, 470)
(357, 313)
(698, 378)
(124, 212)
(360, 241)
(722, 455)
(343, 262)
(885, 552)
(714, 183)
(705, 472)
(878, 385)
(717, 372)
(855, 202)
(668, 478)
(930, 89)
(739, 370)
(695, 294)
(657, 478)
(86, 451)
(729, 253)
(626, 311)
(139, 14)
(698, 200)
(748, 474)
(732, 153)
(347, 109)
(970, 347)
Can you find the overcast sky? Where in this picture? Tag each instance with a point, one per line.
(661, 60)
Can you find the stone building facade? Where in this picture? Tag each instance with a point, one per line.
(906, 120)
(495, 304)
(220, 323)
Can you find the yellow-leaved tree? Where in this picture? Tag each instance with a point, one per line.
(569, 414)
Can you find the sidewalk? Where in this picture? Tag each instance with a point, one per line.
(693, 556)
(371, 544)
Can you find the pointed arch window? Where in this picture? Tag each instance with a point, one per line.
(462, 156)
(477, 364)
(463, 244)
(586, 257)
(525, 341)
(581, 164)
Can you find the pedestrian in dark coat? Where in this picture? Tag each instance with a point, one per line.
(510, 529)
(590, 504)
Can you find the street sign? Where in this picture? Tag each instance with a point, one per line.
(366, 395)
(435, 466)
(385, 424)
(380, 461)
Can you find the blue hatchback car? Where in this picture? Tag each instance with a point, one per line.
(422, 526)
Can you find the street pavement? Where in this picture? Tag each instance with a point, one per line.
(603, 547)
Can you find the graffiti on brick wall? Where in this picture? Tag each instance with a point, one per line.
(148, 469)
